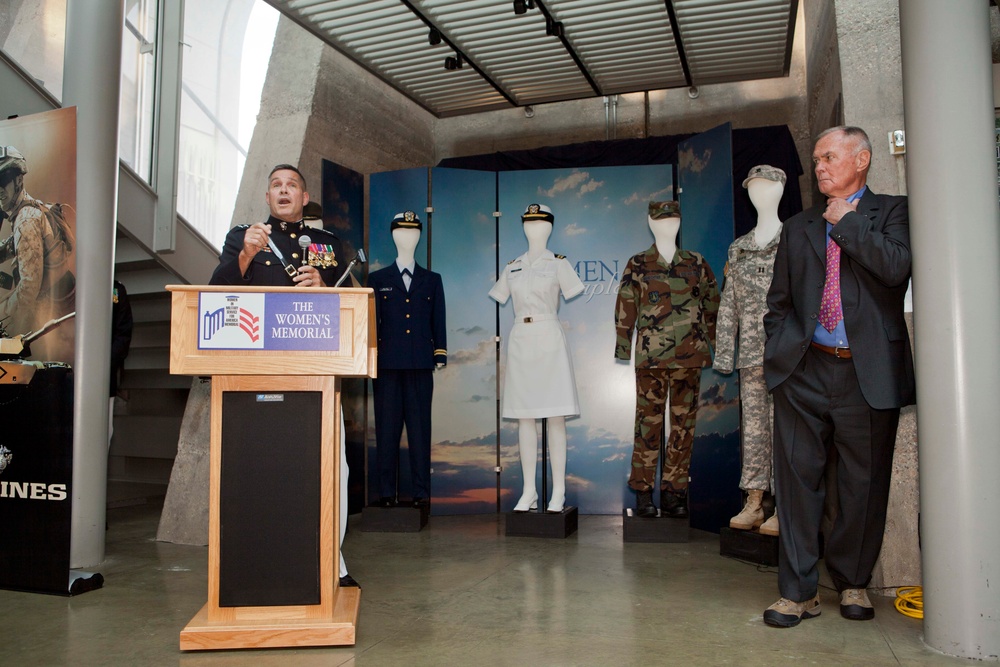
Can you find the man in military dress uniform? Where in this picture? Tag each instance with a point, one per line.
(410, 318)
(248, 259)
(672, 304)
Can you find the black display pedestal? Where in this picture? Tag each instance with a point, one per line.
(399, 519)
(749, 545)
(543, 524)
(658, 529)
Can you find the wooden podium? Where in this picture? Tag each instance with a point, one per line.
(276, 356)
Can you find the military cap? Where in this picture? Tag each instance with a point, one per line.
(765, 171)
(11, 158)
(312, 211)
(538, 212)
(406, 220)
(664, 209)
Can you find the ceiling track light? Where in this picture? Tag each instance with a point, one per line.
(553, 28)
(434, 37)
(522, 6)
(452, 63)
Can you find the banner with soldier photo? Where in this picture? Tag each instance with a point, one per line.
(37, 285)
(38, 229)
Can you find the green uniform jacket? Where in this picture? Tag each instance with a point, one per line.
(672, 306)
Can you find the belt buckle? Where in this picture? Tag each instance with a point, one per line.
(836, 352)
(527, 320)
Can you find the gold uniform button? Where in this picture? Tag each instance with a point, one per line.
(295, 255)
(267, 262)
(293, 236)
(407, 331)
(407, 301)
(407, 316)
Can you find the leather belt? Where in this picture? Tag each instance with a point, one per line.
(534, 318)
(839, 352)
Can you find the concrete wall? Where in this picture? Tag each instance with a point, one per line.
(822, 74)
(317, 104)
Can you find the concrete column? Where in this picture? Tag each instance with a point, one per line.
(92, 80)
(955, 233)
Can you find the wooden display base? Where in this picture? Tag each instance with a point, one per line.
(749, 545)
(658, 529)
(399, 519)
(543, 524)
(338, 630)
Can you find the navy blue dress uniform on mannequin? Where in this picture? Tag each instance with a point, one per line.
(411, 342)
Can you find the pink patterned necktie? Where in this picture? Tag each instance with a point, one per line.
(830, 311)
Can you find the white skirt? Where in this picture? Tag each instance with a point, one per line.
(539, 376)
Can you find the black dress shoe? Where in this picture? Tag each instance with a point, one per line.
(644, 506)
(385, 501)
(347, 581)
(673, 504)
(420, 503)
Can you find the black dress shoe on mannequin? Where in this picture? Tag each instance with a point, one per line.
(385, 501)
(673, 504)
(644, 506)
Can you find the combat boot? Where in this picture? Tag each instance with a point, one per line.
(770, 526)
(752, 514)
(673, 504)
(644, 506)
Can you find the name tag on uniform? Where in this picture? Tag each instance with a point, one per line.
(514, 270)
(384, 289)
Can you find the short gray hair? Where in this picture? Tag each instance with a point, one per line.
(862, 142)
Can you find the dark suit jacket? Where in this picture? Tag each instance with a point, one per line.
(874, 269)
(410, 325)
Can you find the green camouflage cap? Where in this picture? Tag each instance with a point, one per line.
(664, 209)
(765, 171)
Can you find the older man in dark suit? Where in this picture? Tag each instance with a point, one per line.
(838, 363)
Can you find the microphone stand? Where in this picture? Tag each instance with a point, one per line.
(359, 259)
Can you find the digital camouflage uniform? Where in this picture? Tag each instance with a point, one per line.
(673, 309)
(749, 270)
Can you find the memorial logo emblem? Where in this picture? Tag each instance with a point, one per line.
(5, 458)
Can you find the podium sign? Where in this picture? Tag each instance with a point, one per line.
(276, 356)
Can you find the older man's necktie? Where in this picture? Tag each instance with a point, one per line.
(830, 310)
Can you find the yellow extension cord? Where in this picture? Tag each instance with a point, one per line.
(910, 601)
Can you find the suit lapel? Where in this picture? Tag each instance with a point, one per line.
(816, 231)
(419, 274)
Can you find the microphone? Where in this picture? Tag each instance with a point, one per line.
(304, 243)
(361, 258)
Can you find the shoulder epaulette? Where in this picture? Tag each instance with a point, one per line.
(560, 256)
(511, 261)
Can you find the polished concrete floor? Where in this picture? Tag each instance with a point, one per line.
(460, 593)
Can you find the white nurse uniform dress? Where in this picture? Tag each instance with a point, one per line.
(539, 375)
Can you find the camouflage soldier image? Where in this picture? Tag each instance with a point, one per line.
(740, 342)
(672, 305)
(40, 284)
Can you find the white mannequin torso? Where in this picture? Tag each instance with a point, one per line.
(765, 195)
(665, 232)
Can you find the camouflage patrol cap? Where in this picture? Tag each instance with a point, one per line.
(765, 171)
(406, 220)
(11, 159)
(664, 209)
(538, 212)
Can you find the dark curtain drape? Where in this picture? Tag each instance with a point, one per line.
(771, 145)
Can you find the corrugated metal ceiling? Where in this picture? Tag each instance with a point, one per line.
(491, 57)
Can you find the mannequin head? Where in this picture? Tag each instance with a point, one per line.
(664, 219)
(765, 194)
(406, 228)
(406, 240)
(537, 221)
(765, 184)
